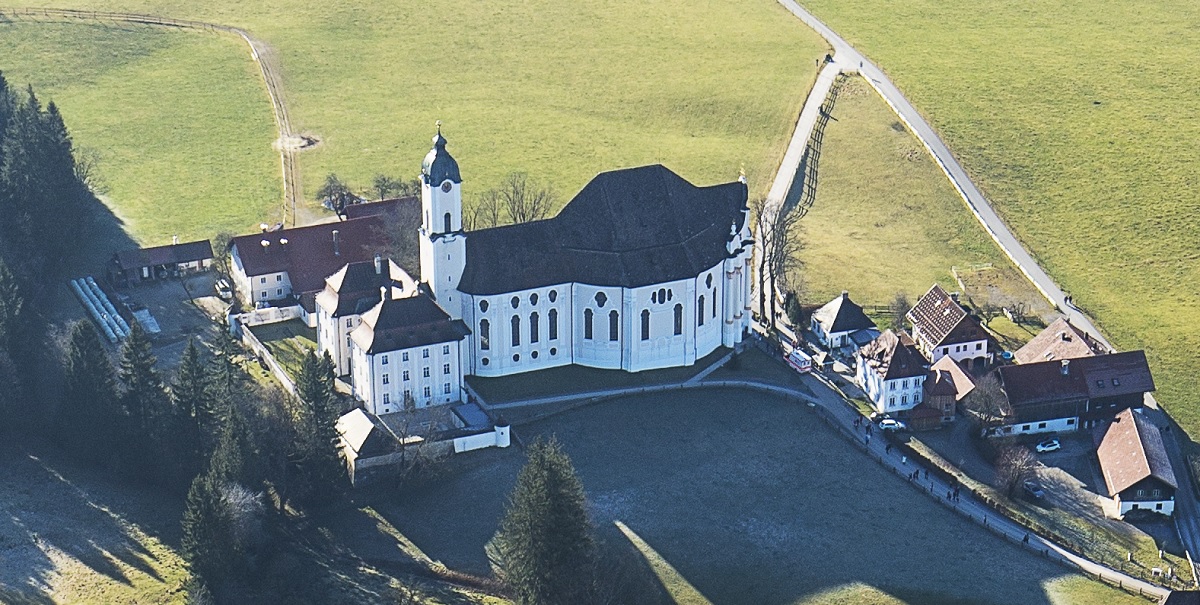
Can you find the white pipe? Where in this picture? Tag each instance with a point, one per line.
(108, 306)
(87, 304)
(104, 314)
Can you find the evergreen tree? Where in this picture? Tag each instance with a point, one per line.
(194, 404)
(12, 309)
(320, 409)
(206, 543)
(545, 551)
(91, 415)
(154, 423)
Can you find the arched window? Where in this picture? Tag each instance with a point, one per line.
(553, 327)
(587, 324)
(516, 330)
(613, 326)
(708, 280)
(533, 327)
(446, 221)
(678, 319)
(700, 315)
(485, 334)
(645, 324)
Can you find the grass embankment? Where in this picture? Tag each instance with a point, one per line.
(179, 122)
(885, 219)
(1076, 121)
(559, 90)
(288, 341)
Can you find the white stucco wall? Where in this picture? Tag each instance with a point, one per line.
(1057, 425)
(369, 373)
(333, 337)
(890, 395)
(1167, 506)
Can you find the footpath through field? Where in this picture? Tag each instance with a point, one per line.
(847, 59)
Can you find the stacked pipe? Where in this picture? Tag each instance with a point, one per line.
(123, 327)
(96, 314)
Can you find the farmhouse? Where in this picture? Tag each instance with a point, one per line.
(835, 323)
(892, 372)
(942, 327)
(1137, 471)
(277, 265)
(640, 270)
(1056, 396)
(145, 264)
(1060, 340)
(945, 386)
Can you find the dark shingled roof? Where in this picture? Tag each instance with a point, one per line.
(630, 228)
(403, 323)
(438, 165)
(1131, 450)
(842, 315)
(365, 434)
(308, 256)
(943, 321)
(1060, 340)
(893, 356)
(1181, 597)
(174, 254)
(1112, 375)
(410, 206)
(356, 287)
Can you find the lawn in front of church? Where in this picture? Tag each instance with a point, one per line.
(735, 497)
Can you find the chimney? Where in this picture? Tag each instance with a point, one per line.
(265, 243)
(263, 226)
(378, 265)
(1066, 367)
(336, 251)
(174, 240)
(954, 296)
(283, 241)
(1063, 336)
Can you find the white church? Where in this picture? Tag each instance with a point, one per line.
(640, 270)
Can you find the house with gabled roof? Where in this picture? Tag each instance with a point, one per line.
(1069, 394)
(1060, 340)
(1137, 470)
(147, 264)
(941, 327)
(352, 291)
(837, 322)
(892, 372)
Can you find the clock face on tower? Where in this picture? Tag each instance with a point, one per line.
(446, 186)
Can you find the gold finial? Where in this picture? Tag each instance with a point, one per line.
(439, 126)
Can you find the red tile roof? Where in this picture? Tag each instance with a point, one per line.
(942, 321)
(1112, 375)
(893, 356)
(308, 254)
(1060, 340)
(1132, 450)
(947, 369)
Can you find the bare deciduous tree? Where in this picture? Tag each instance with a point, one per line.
(779, 247)
(987, 403)
(487, 211)
(86, 170)
(399, 237)
(1014, 465)
(524, 199)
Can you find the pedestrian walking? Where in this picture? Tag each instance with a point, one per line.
(1026, 539)
(903, 459)
(926, 473)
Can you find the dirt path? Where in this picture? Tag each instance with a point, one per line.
(263, 54)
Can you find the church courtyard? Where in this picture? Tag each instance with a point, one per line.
(736, 497)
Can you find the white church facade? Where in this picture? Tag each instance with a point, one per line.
(640, 270)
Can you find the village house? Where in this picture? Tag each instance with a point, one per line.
(892, 372)
(129, 267)
(945, 386)
(1069, 394)
(1060, 340)
(1137, 471)
(838, 322)
(942, 327)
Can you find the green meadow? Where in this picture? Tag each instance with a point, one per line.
(559, 90)
(179, 123)
(1078, 120)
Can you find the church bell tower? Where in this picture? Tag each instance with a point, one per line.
(443, 243)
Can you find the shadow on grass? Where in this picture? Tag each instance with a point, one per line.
(54, 514)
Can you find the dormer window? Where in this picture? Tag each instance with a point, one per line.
(1100, 384)
(1116, 382)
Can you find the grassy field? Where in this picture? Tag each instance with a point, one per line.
(885, 219)
(1074, 119)
(66, 537)
(179, 123)
(559, 90)
(720, 518)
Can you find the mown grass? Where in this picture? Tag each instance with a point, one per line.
(289, 342)
(1077, 121)
(179, 122)
(559, 90)
(885, 219)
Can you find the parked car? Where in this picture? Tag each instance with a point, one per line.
(1034, 490)
(223, 289)
(1049, 445)
(891, 424)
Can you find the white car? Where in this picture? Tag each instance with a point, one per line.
(1049, 445)
(890, 424)
(223, 289)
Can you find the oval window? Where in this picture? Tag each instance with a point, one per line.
(516, 302)
(533, 298)
(601, 299)
(553, 295)
(483, 306)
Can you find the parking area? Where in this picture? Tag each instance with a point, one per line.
(182, 309)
